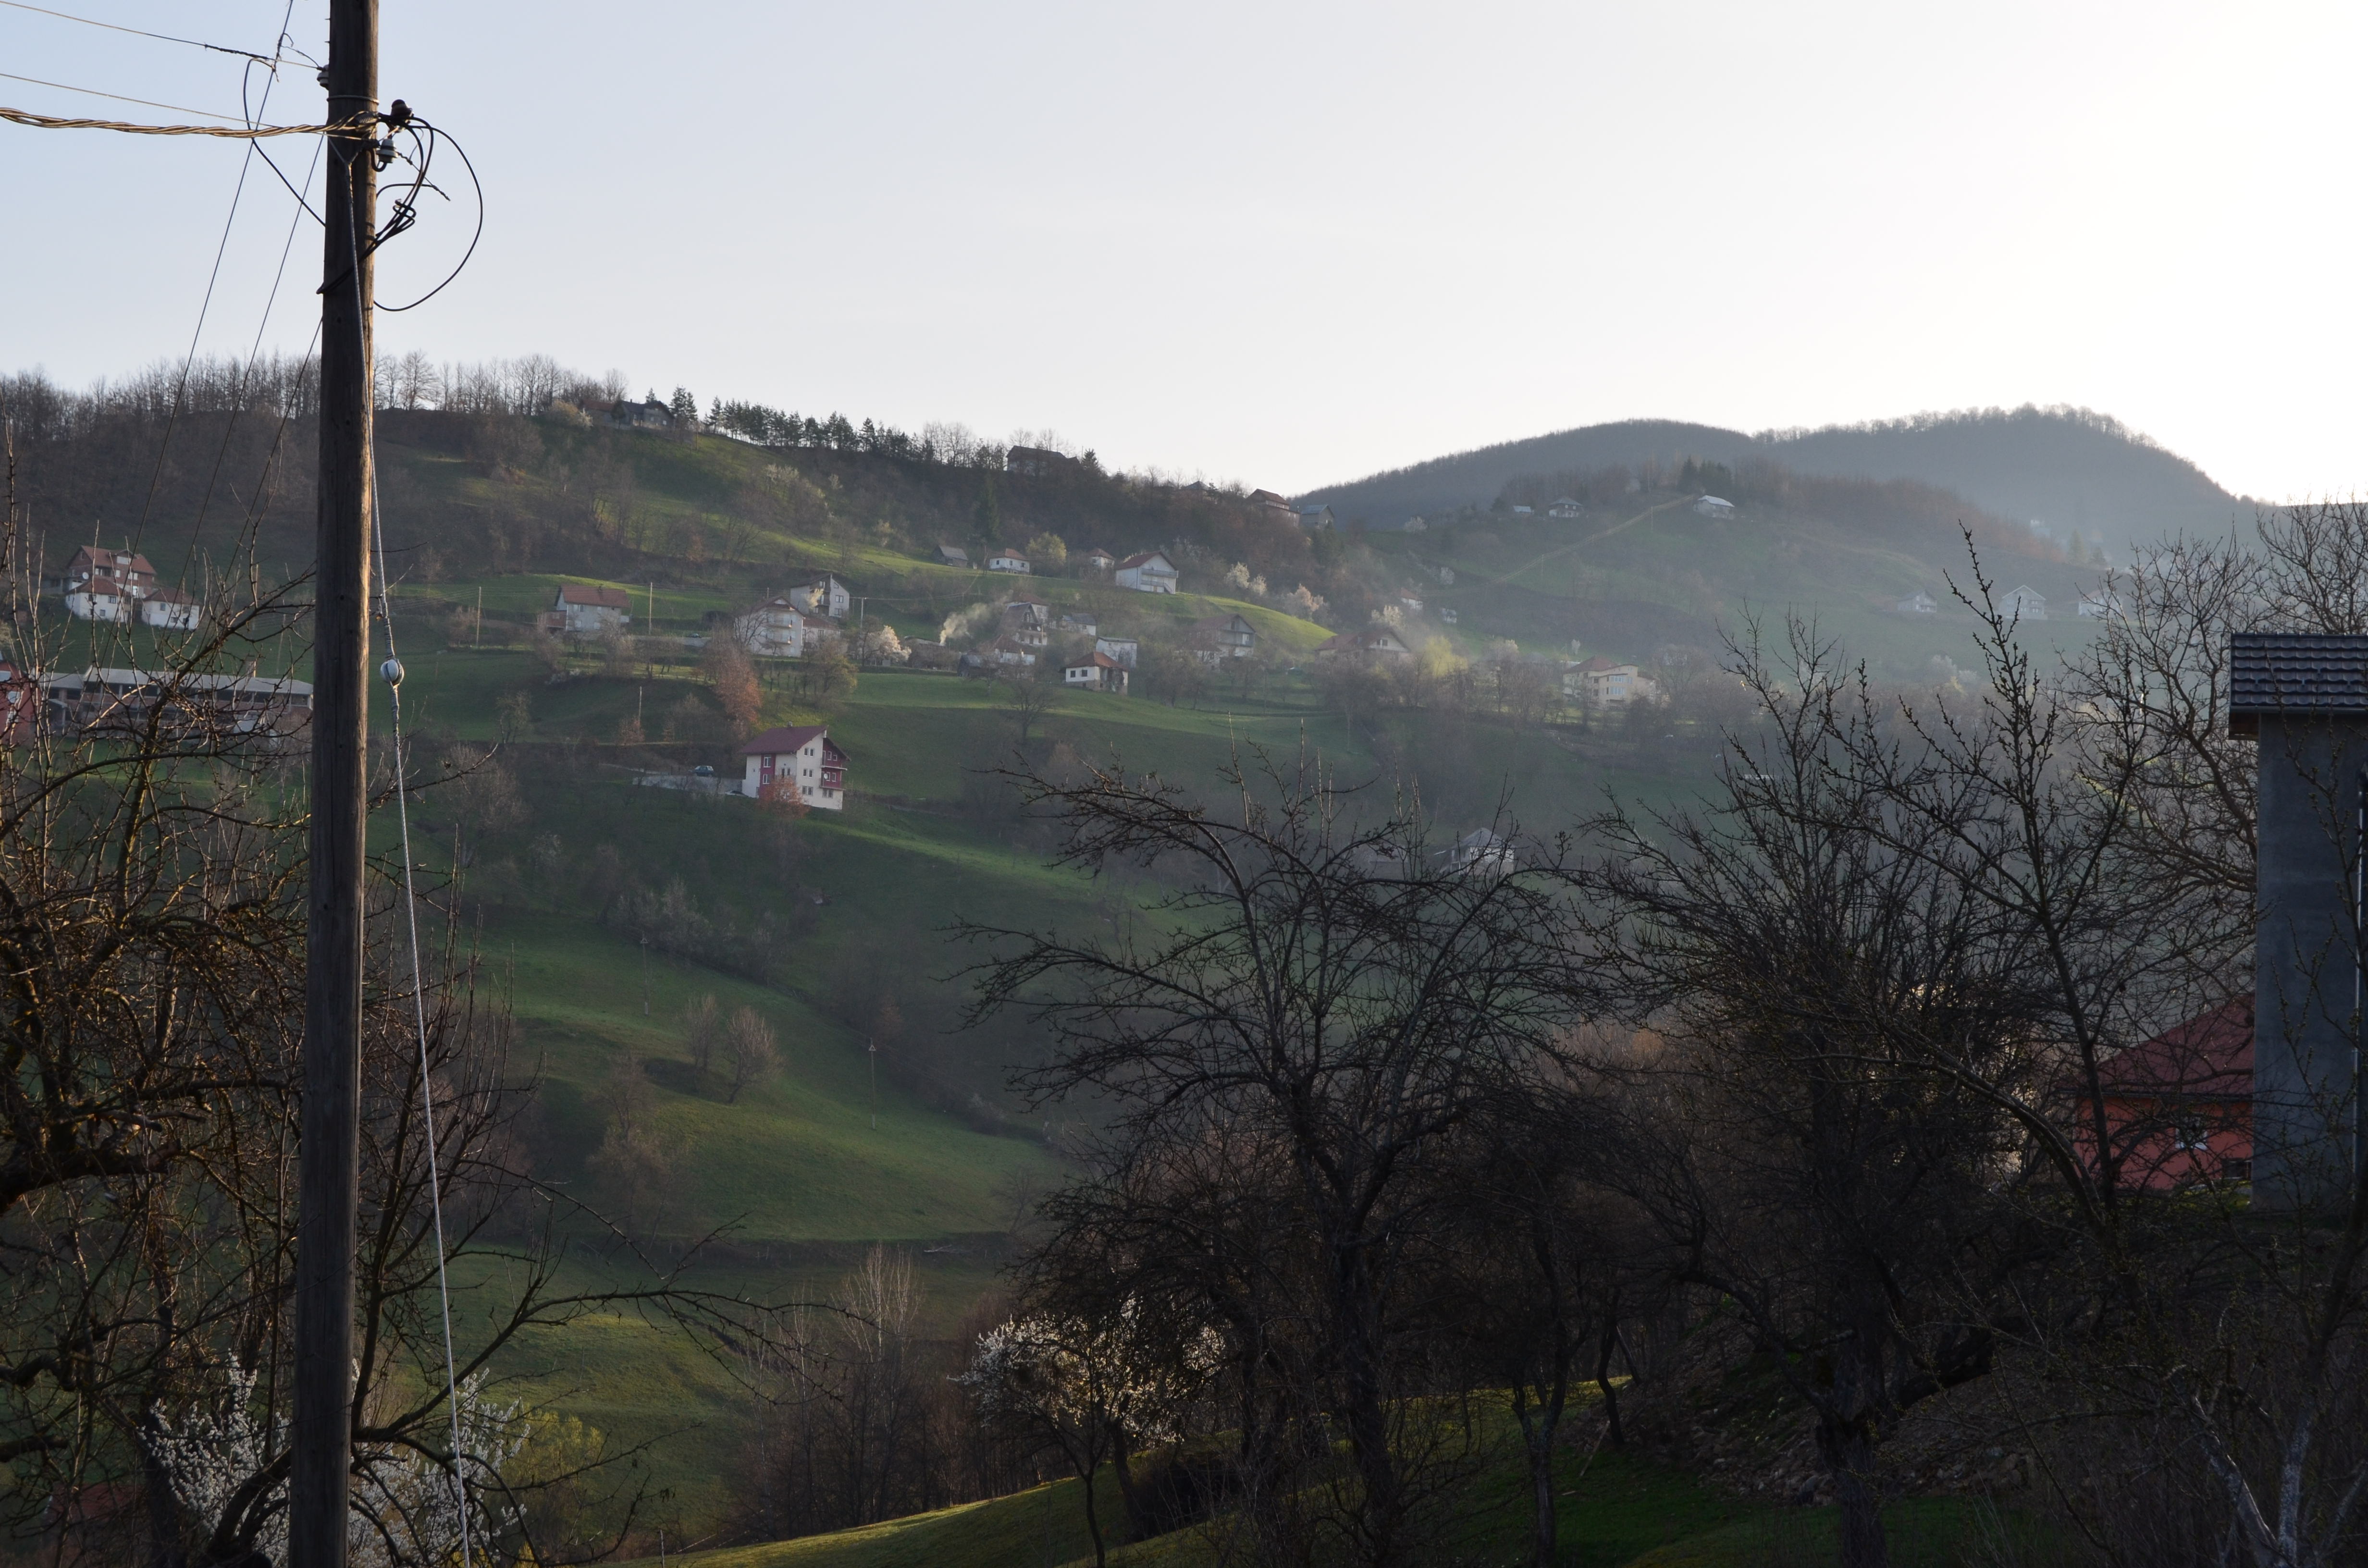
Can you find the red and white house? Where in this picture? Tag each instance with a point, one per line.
(1096, 671)
(584, 611)
(799, 759)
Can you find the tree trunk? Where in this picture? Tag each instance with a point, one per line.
(1540, 1436)
(1847, 1449)
(1123, 1460)
(1613, 1434)
(1357, 1339)
(1093, 1517)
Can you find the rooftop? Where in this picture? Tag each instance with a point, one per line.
(2300, 674)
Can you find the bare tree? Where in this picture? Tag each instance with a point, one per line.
(1028, 692)
(750, 1055)
(1801, 951)
(1355, 1022)
(701, 1026)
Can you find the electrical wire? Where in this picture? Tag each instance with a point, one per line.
(140, 32)
(221, 248)
(254, 356)
(359, 123)
(251, 117)
(434, 135)
(118, 98)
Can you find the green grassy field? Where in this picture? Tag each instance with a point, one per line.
(1615, 1512)
(795, 1172)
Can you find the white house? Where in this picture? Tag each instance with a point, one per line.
(1480, 853)
(825, 595)
(799, 758)
(1080, 622)
(1565, 507)
(1008, 651)
(1314, 517)
(1715, 507)
(587, 611)
(2025, 603)
(774, 629)
(2098, 605)
(1005, 561)
(171, 609)
(1125, 650)
(108, 584)
(1377, 643)
(1525, 511)
(1602, 683)
(1917, 603)
(1096, 671)
(1150, 572)
(1096, 560)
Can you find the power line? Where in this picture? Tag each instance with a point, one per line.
(221, 248)
(255, 356)
(140, 32)
(238, 133)
(118, 98)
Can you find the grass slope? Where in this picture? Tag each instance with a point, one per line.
(1616, 1512)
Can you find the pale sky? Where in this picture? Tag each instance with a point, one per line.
(1288, 243)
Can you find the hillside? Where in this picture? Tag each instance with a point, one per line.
(2069, 467)
(607, 908)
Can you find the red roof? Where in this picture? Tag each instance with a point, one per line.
(787, 739)
(109, 563)
(2208, 1057)
(1100, 661)
(604, 599)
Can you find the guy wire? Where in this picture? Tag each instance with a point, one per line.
(411, 917)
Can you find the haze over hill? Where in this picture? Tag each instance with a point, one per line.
(2071, 468)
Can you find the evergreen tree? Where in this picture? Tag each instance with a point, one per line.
(988, 515)
(685, 407)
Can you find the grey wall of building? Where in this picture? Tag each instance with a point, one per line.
(2304, 1072)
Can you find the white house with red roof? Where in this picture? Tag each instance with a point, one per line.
(799, 759)
(586, 611)
(108, 584)
(1096, 671)
(174, 610)
(1150, 572)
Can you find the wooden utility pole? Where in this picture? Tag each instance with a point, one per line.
(328, 1178)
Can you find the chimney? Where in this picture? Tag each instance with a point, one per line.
(2304, 699)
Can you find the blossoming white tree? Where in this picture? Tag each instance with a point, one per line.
(407, 1508)
(1095, 1390)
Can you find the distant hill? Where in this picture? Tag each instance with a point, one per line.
(2070, 467)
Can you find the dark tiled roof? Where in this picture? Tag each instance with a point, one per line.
(2299, 673)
